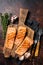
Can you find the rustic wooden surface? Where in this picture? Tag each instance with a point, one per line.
(13, 6)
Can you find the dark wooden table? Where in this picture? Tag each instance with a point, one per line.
(36, 9)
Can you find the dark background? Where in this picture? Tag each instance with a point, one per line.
(13, 6)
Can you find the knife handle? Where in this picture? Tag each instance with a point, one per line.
(37, 49)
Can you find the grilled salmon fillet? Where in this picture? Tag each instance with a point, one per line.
(9, 41)
(24, 46)
(20, 35)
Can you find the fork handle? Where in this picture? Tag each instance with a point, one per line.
(37, 49)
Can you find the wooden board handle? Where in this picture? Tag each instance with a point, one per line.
(22, 16)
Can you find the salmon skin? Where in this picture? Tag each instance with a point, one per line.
(24, 46)
(9, 41)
